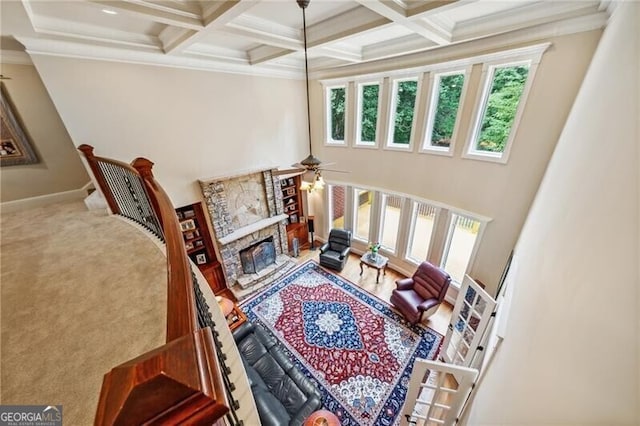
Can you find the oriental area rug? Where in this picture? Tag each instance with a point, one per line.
(357, 350)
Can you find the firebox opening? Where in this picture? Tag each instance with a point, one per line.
(258, 256)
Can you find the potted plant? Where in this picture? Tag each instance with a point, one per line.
(373, 248)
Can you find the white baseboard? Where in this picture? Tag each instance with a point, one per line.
(87, 186)
(42, 200)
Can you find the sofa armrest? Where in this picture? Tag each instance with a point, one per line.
(324, 247)
(243, 331)
(312, 404)
(428, 304)
(344, 252)
(404, 284)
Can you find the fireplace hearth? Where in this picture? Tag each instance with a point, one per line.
(258, 256)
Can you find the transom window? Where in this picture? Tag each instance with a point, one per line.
(367, 123)
(336, 101)
(443, 111)
(499, 110)
(402, 112)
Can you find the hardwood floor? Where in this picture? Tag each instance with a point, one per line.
(438, 321)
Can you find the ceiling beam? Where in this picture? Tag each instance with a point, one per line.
(215, 15)
(163, 16)
(398, 14)
(348, 24)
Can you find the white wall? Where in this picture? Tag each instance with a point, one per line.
(59, 168)
(191, 124)
(503, 192)
(570, 355)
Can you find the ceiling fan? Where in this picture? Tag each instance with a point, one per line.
(310, 166)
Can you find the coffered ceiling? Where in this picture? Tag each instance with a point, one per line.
(265, 36)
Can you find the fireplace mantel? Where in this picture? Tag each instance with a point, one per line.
(250, 229)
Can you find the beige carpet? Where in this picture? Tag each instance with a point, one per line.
(80, 293)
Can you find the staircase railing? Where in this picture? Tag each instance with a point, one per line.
(186, 380)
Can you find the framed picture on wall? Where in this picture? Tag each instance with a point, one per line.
(201, 258)
(15, 147)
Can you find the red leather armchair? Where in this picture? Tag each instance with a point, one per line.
(420, 295)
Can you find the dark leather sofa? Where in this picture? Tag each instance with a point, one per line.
(283, 395)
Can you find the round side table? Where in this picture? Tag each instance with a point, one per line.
(322, 418)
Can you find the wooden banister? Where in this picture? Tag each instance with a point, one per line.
(181, 381)
(181, 311)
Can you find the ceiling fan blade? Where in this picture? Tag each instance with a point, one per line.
(336, 171)
(288, 171)
(326, 164)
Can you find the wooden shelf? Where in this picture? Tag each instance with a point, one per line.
(204, 255)
(292, 205)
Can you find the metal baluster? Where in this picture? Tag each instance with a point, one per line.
(131, 198)
(206, 320)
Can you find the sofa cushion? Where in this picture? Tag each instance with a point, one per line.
(251, 349)
(270, 371)
(255, 380)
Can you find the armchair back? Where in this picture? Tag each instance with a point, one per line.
(429, 281)
(339, 239)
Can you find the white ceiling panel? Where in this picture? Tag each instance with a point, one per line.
(86, 13)
(264, 36)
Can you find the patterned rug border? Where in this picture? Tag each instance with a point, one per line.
(371, 300)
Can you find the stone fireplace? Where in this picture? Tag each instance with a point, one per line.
(246, 211)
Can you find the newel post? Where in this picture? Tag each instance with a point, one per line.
(87, 150)
(144, 167)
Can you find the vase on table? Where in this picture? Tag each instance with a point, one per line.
(373, 255)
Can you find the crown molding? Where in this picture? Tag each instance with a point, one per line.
(440, 54)
(200, 61)
(15, 57)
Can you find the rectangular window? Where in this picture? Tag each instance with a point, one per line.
(459, 245)
(362, 208)
(368, 95)
(391, 214)
(336, 105)
(502, 96)
(423, 218)
(336, 205)
(403, 109)
(443, 111)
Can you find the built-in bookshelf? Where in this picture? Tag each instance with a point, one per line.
(199, 246)
(293, 207)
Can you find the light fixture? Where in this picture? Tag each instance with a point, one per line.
(311, 162)
(317, 183)
(110, 11)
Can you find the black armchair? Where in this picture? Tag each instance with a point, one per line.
(334, 253)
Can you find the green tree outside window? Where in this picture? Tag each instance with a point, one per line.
(405, 104)
(337, 98)
(449, 92)
(369, 117)
(500, 111)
